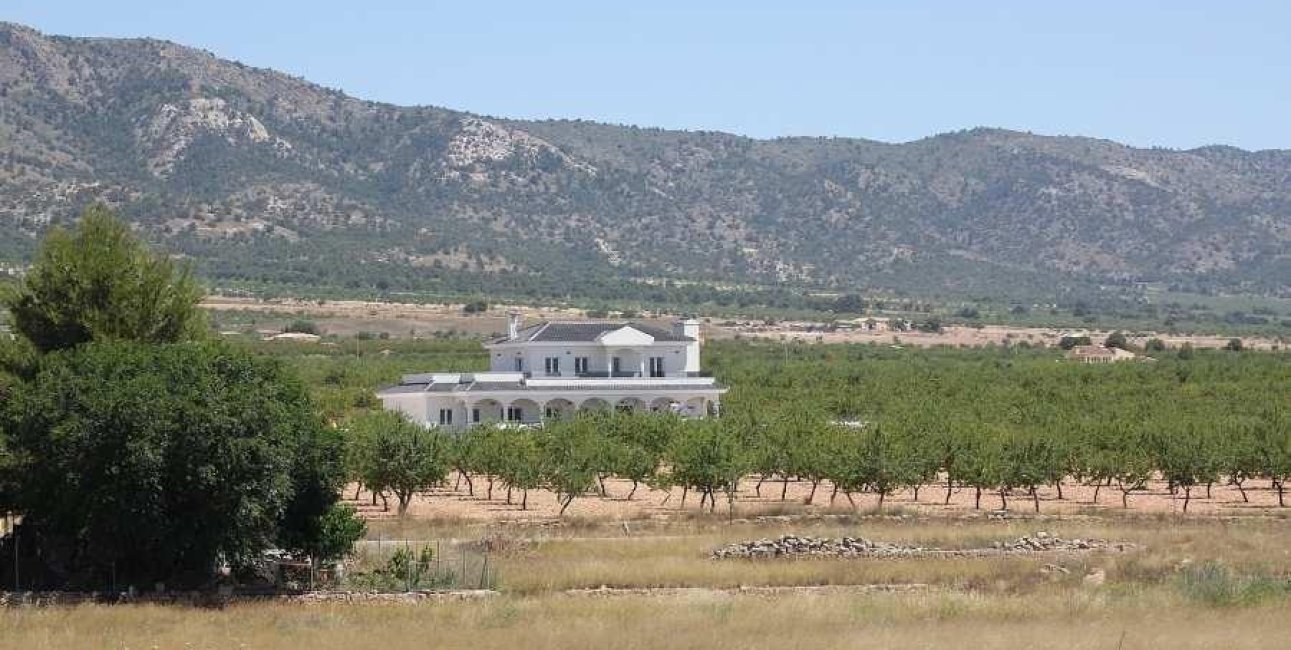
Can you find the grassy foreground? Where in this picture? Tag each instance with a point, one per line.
(1197, 583)
(1051, 620)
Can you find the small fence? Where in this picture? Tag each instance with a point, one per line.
(405, 565)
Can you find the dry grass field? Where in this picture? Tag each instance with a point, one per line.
(1194, 582)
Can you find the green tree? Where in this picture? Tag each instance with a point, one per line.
(572, 453)
(402, 456)
(883, 462)
(151, 463)
(707, 456)
(100, 283)
(1117, 339)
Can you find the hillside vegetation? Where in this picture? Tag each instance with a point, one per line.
(268, 180)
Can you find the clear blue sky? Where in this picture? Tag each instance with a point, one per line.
(1151, 73)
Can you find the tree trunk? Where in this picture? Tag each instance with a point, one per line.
(1278, 484)
(757, 488)
(385, 503)
(508, 494)
(833, 495)
(812, 496)
(1004, 503)
(1098, 485)
(684, 490)
(1035, 498)
(1187, 496)
(470, 485)
(404, 499)
(916, 492)
(1208, 484)
(848, 494)
(784, 487)
(489, 495)
(633, 490)
(524, 500)
(357, 489)
(1241, 489)
(565, 506)
(882, 494)
(950, 486)
(600, 480)
(977, 499)
(1058, 484)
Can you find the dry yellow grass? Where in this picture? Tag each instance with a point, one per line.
(972, 603)
(1069, 620)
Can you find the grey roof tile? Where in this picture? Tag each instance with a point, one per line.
(584, 332)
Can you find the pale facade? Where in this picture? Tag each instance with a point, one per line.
(552, 369)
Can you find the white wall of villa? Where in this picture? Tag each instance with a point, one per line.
(552, 370)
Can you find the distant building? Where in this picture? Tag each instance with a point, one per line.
(1099, 354)
(552, 369)
(299, 337)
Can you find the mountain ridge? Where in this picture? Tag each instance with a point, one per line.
(263, 177)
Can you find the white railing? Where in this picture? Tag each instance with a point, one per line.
(588, 382)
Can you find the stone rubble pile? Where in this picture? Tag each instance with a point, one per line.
(803, 546)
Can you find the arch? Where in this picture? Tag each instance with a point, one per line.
(696, 407)
(524, 411)
(665, 405)
(632, 404)
(484, 411)
(558, 409)
(594, 404)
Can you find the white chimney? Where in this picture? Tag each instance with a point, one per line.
(689, 328)
(514, 318)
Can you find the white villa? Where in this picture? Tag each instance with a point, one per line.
(552, 369)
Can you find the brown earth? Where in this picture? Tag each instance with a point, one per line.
(456, 504)
(349, 317)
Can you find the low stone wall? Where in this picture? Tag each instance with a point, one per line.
(859, 547)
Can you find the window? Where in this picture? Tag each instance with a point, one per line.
(475, 416)
(656, 366)
(445, 417)
(615, 365)
(515, 414)
(552, 365)
(580, 365)
(519, 364)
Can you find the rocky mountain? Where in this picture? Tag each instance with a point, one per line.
(267, 179)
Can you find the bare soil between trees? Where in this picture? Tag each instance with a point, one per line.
(447, 503)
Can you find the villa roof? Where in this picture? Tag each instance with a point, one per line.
(587, 332)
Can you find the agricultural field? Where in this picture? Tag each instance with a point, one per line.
(1130, 505)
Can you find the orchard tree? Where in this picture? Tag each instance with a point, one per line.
(400, 455)
(883, 462)
(571, 451)
(707, 456)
